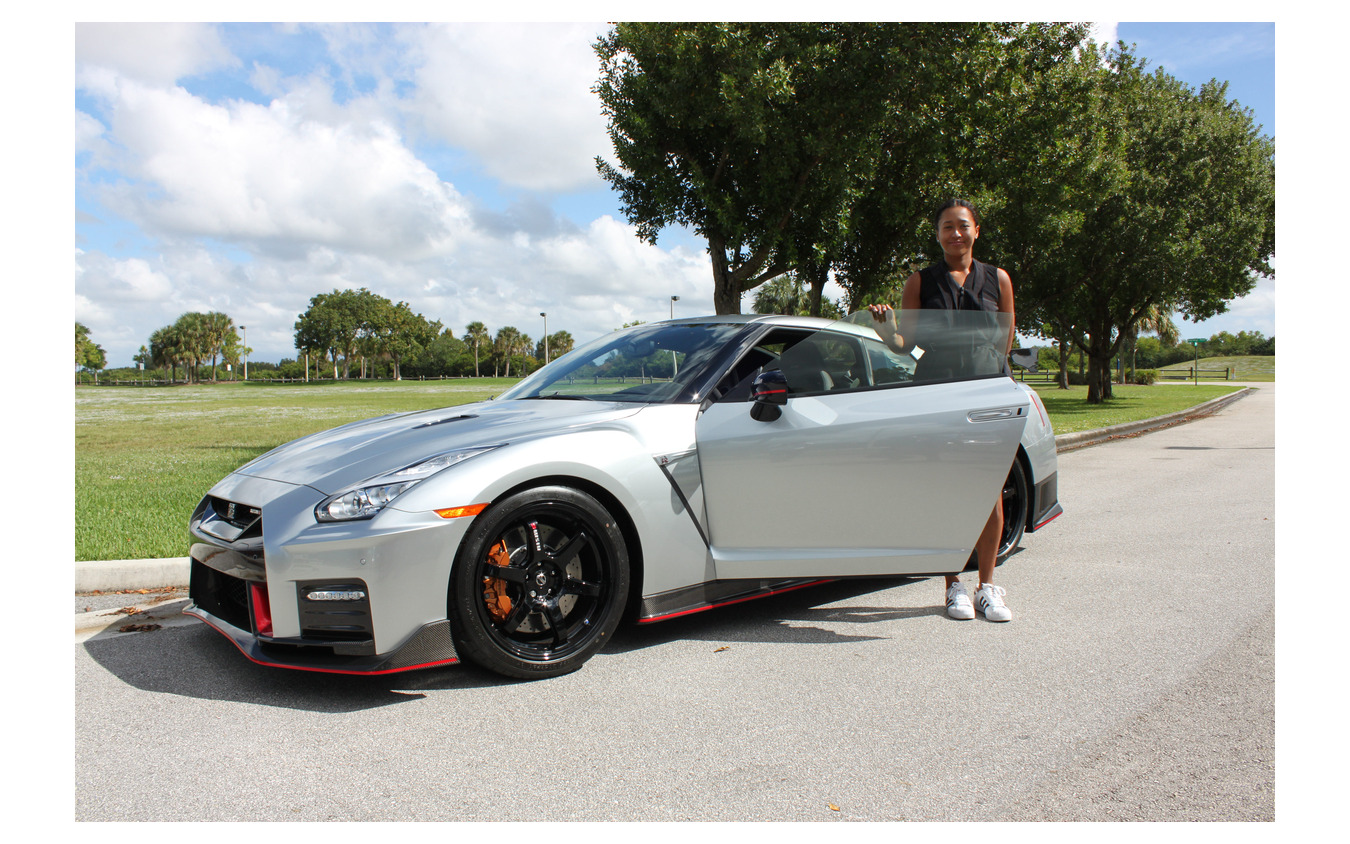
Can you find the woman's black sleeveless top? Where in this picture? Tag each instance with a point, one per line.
(951, 353)
(937, 290)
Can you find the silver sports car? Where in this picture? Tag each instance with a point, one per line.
(655, 472)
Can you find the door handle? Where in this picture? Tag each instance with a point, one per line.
(992, 415)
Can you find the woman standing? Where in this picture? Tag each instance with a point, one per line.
(958, 282)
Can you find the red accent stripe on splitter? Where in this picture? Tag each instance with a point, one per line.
(252, 659)
(1049, 520)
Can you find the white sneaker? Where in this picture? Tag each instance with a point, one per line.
(958, 602)
(989, 600)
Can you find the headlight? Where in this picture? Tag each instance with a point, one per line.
(374, 494)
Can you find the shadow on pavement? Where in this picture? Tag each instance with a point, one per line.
(785, 618)
(194, 661)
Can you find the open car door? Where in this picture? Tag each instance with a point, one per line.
(872, 462)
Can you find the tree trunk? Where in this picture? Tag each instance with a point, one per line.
(726, 292)
(1099, 371)
(817, 278)
(1063, 363)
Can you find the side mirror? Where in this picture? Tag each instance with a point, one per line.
(768, 395)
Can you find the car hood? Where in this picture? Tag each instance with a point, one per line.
(335, 460)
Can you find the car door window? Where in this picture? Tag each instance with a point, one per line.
(814, 362)
(887, 366)
(825, 363)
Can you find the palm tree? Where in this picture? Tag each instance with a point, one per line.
(216, 331)
(559, 344)
(508, 339)
(192, 343)
(164, 349)
(1157, 319)
(524, 345)
(783, 295)
(475, 333)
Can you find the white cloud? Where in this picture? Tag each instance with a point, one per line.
(516, 95)
(89, 134)
(130, 281)
(1253, 312)
(1104, 33)
(590, 281)
(271, 178)
(155, 53)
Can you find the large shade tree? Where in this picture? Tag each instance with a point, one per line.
(1182, 219)
(734, 129)
(804, 147)
(347, 324)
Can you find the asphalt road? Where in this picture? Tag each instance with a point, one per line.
(1135, 682)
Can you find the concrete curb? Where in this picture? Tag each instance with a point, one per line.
(1081, 439)
(148, 616)
(116, 575)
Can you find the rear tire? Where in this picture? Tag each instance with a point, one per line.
(539, 584)
(1016, 504)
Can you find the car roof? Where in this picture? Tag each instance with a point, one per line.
(785, 320)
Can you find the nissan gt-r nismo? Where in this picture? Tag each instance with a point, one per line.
(654, 472)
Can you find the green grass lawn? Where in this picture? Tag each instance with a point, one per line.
(1246, 367)
(145, 456)
(1070, 412)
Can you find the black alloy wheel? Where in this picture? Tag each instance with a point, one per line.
(539, 584)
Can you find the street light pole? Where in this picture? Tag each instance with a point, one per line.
(545, 316)
(674, 362)
(244, 328)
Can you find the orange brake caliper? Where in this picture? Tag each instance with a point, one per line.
(494, 588)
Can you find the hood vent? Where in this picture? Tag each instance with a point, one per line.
(447, 419)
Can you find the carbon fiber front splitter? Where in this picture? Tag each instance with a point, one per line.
(431, 646)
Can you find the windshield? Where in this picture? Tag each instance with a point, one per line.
(649, 364)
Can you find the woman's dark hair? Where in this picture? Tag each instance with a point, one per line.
(956, 203)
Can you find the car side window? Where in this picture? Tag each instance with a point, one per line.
(888, 366)
(766, 355)
(825, 363)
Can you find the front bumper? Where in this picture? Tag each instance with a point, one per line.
(367, 598)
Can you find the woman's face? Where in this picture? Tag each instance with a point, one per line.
(956, 230)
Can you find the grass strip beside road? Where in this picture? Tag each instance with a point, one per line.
(144, 457)
(1245, 367)
(1070, 412)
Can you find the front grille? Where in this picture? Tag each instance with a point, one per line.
(220, 594)
(229, 520)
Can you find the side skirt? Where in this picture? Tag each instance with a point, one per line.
(716, 593)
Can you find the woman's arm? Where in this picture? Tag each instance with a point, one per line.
(899, 335)
(1005, 306)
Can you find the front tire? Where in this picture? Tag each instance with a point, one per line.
(539, 584)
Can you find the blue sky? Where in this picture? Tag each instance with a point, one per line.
(247, 167)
